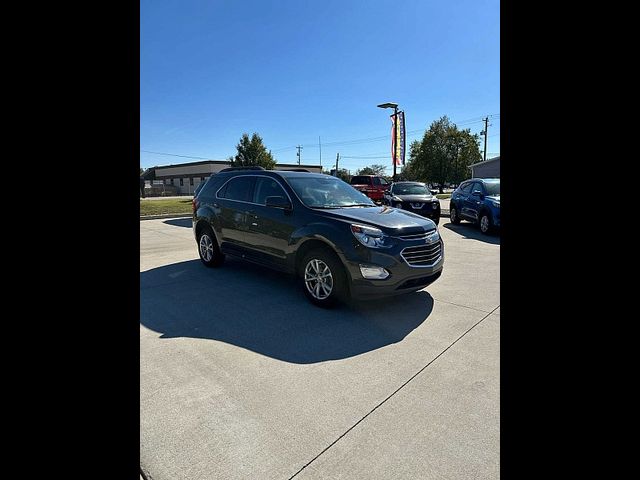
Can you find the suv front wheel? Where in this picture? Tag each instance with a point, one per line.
(485, 223)
(323, 277)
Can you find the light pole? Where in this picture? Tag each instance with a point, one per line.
(395, 130)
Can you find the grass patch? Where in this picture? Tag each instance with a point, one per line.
(161, 207)
(443, 195)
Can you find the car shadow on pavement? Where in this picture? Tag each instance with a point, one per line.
(180, 222)
(265, 311)
(469, 230)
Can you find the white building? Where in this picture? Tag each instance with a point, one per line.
(488, 169)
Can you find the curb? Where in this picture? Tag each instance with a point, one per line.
(166, 215)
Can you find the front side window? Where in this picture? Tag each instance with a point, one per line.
(239, 189)
(383, 181)
(376, 180)
(477, 187)
(267, 187)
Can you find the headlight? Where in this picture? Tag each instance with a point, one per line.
(368, 236)
(495, 204)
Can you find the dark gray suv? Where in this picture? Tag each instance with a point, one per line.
(336, 241)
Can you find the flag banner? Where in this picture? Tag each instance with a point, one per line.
(394, 135)
(401, 136)
(397, 139)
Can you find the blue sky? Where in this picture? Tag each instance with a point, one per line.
(295, 70)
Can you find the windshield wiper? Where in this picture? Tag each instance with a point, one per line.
(359, 205)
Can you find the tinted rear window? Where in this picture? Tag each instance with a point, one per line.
(360, 180)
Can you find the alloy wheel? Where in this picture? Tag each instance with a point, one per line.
(206, 247)
(484, 224)
(318, 279)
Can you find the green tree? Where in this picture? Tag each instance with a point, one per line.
(444, 154)
(252, 153)
(409, 170)
(375, 169)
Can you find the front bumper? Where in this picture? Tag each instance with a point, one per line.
(403, 277)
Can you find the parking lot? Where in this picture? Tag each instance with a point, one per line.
(242, 378)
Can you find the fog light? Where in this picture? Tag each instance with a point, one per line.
(373, 273)
(435, 205)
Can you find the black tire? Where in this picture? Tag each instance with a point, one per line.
(453, 215)
(212, 256)
(338, 288)
(485, 226)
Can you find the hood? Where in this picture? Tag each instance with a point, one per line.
(392, 221)
(415, 198)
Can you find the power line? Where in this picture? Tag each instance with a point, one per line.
(174, 155)
(468, 121)
(409, 133)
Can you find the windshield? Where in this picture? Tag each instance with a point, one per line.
(492, 188)
(410, 189)
(328, 192)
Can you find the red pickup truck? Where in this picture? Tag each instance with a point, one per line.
(373, 186)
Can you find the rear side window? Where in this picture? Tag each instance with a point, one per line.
(239, 189)
(267, 187)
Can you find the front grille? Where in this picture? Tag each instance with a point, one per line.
(422, 255)
(417, 236)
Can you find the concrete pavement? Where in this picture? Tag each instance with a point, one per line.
(242, 378)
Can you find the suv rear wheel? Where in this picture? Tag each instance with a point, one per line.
(453, 215)
(323, 277)
(208, 249)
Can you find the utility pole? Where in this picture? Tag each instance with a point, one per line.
(337, 160)
(299, 147)
(486, 134)
(320, 147)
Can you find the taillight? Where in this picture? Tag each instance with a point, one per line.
(194, 205)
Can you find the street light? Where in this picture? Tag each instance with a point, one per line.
(395, 129)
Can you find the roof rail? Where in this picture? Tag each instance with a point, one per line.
(296, 170)
(230, 169)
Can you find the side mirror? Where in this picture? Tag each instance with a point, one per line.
(477, 193)
(278, 202)
(434, 192)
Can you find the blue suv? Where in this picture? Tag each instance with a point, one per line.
(478, 201)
